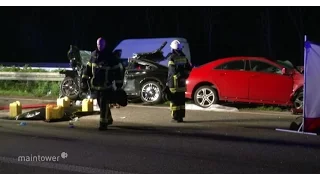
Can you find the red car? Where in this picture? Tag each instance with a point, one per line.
(246, 79)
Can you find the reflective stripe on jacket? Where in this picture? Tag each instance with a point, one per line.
(176, 79)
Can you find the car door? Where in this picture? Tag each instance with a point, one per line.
(268, 84)
(233, 79)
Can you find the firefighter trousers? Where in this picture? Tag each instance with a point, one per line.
(177, 105)
(104, 98)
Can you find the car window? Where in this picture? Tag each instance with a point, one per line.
(233, 65)
(260, 66)
(287, 64)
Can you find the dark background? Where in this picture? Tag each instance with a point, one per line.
(43, 34)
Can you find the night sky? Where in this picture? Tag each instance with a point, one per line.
(43, 34)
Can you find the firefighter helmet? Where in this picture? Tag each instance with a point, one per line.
(176, 45)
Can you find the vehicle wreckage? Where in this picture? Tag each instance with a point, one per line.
(145, 76)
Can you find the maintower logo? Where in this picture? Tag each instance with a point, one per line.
(40, 158)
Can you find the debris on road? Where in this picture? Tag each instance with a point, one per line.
(23, 124)
(214, 107)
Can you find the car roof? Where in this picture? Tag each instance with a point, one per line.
(226, 59)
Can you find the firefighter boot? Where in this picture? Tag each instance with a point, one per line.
(176, 116)
(103, 126)
(110, 122)
(177, 120)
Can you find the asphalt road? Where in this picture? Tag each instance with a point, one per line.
(142, 140)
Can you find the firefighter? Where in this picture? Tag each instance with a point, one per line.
(178, 72)
(102, 71)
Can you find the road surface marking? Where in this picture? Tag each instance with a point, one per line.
(60, 166)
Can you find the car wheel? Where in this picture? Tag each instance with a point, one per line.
(151, 92)
(205, 96)
(69, 88)
(298, 103)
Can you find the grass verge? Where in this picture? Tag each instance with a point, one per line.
(25, 68)
(29, 88)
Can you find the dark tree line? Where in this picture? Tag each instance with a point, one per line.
(45, 33)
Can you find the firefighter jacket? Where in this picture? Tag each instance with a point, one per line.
(179, 68)
(102, 70)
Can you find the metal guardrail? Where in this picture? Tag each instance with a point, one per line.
(32, 76)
